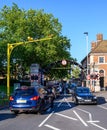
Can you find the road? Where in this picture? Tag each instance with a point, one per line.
(64, 116)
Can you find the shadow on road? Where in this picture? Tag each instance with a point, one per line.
(4, 116)
(101, 100)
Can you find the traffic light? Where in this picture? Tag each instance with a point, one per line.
(91, 76)
(34, 77)
(94, 76)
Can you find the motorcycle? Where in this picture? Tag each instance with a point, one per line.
(46, 102)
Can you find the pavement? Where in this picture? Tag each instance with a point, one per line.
(102, 96)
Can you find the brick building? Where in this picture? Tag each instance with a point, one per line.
(97, 63)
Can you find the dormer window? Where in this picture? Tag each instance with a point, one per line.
(101, 59)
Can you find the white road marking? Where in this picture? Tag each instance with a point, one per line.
(46, 119)
(90, 115)
(64, 99)
(66, 116)
(102, 107)
(93, 121)
(80, 118)
(49, 110)
(99, 126)
(49, 126)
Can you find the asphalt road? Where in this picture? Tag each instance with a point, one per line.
(64, 116)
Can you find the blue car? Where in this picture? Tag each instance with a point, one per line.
(24, 99)
(83, 95)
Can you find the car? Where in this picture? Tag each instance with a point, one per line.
(30, 99)
(24, 99)
(83, 95)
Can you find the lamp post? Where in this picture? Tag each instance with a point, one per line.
(10, 48)
(86, 33)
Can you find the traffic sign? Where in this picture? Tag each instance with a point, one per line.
(64, 62)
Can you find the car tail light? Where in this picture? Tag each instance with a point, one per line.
(34, 98)
(11, 98)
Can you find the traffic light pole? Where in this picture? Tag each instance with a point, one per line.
(10, 48)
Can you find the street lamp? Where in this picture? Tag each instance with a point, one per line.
(10, 48)
(86, 33)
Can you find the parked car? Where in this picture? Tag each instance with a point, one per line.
(28, 99)
(83, 95)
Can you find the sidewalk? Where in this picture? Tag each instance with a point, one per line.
(101, 94)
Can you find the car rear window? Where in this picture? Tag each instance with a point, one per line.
(26, 92)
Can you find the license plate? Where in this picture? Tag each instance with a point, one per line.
(88, 100)
(21, 101)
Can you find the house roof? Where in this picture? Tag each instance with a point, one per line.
(101, 47)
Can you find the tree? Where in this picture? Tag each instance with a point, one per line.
(75, 72)
(17, 24)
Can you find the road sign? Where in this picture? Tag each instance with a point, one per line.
(64, 62)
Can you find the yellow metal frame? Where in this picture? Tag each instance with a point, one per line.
(10, 48)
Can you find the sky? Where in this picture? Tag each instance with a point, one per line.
(76, 17)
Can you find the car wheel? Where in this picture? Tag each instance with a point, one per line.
(95, 103)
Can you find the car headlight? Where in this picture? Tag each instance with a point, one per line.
(94, 97)
(79, 97)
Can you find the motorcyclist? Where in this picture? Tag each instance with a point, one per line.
(42, 94)
(46, 99)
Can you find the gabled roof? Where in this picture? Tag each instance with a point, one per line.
(101, 47)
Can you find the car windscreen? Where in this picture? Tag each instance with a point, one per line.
(26, 92)
(82, 91)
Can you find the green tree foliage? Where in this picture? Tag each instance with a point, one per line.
(17, 24)
(75, 72)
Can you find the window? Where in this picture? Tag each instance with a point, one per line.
(101, 71)
(101, 59)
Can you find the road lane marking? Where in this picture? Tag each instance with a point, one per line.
(64, 99)
(92, 121)
(65, 116)
(98, 126)
(49, 126)
(85, 124)
(103, 107)
(41, 124)
(90, 115)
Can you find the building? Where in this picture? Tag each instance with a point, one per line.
(97, 63)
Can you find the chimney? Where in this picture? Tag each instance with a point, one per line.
(93, 45)
(99, 37)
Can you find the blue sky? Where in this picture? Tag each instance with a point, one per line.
(76, 17)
